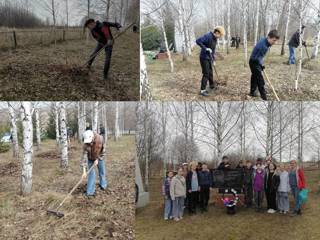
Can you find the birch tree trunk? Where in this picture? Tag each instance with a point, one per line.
(256, 22)
(56, 113)
(27, 129)
(64, 136)
(116, 123)
(287, 27)
(146, 144)
(219, 130)
(105, 125)
(95, 117)
(299, 66)
(81, 119)
(228, 23)
(164, 136)
(300, 132)
(166, 42)
(14, 132)
(315, 49)
(144, 81)
(38, 130)
(245, 41)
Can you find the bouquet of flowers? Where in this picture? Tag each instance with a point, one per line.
(231, 203)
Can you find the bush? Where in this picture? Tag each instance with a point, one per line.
(4, 147)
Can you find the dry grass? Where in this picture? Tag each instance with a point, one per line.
(234, 78)
(110, 215)
(55, 73)
(216, 224)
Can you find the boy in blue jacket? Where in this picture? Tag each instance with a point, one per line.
(256, 63)
(205, 182)
(208, 44)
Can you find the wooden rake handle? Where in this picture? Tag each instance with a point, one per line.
(271, 85)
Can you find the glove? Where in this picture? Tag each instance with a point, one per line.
(118, 26)
(209, 50)
(262, 67)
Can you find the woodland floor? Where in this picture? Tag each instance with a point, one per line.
(110, 215)
(246, 224)
(234, 82)
(55, 73)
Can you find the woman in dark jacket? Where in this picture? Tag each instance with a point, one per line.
(193, 187)
(271, 184)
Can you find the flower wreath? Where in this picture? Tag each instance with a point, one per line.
(231, 202)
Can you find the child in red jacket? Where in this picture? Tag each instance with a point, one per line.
(297, 183)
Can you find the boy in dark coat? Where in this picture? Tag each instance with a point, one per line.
(208, 44)
(101, 32)
(224, 165)
(248, 183)
(294, 43)
(205, 182)
(256, 63)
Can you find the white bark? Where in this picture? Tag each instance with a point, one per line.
(300, 49)
(257, 23)
(27, 128)
(245, 41)
(38, 129)
(228, 23)
(144, 81)
(287, 27)
(14, 132)
(81, 119)
(95, 117)
(105, 125)
(56, 114)
(64, 136)
(116, 123)
(166, 42)
(315, 49)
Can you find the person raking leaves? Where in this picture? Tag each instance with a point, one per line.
(93, 153)
(101, 32)
(208, 44)
(256, 63)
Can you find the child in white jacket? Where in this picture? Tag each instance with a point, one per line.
(178, 194)
(283, 190)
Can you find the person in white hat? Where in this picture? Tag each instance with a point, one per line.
(93, 153)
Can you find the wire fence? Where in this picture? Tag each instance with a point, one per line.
(15, 38)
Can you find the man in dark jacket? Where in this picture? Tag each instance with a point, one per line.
(294, 43)
(192, 182)
(256, 63)
(248, 183)
(208, 44)
(224, 165)
(205, 182)
(101, 32)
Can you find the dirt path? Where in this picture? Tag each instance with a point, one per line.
(216, 224)
(110, 215)
(54, 73)
(234, 80)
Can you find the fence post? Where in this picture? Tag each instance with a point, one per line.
(14, 39)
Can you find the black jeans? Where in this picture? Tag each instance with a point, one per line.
(192, 201)
(204, 197)
(107, 61)
(248, 195)
(207, 74)
(257, 80)
(271, 199)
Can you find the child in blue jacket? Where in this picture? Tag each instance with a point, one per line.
(166, 195)
(208, 44)
(256, 63)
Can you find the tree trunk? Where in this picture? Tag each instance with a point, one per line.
(257, 23)
(228, 23)
(95, 117)
(144, 81)
(105, 125)
(27, 128)
(315, 49)
(56, 113)
(219, 130)
(116, 123)
(146, 144)
(64, 136)
(81, 119)
(38, 130)
(245, 41)
(14, 132)
(287, 27)
(299, 66)
(166, 43)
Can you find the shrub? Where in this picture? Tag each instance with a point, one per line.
(4, 147)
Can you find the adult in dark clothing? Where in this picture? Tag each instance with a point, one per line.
(224, 165)
(233, 42)
(208, 44)
(294, 43)
(101, 32)
(272, 181)
(193, 188)
(205, 182)
(256, 63)
(240, 165)
(248, 183)
(237, 42)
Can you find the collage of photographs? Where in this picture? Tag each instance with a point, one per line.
(159, 119)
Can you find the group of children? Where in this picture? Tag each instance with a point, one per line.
(191, 186)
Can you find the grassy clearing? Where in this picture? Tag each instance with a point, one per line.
(216, 224)
(110, 215)
(234, 78)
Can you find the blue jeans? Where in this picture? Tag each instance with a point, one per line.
(292, 59)
(167, 208)
(295, 192)
(91, 185)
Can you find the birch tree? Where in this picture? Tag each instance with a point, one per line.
(38, 128)
(81, 119)
(256, 22)
(245, 40)
(64, 136)
(287, 27)
(116, 123)
(14, 132)
(300, 49)
(228, 24)
(316, 39)
(144, 81)
(95, 117)
(27, 130)
(56, 119)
